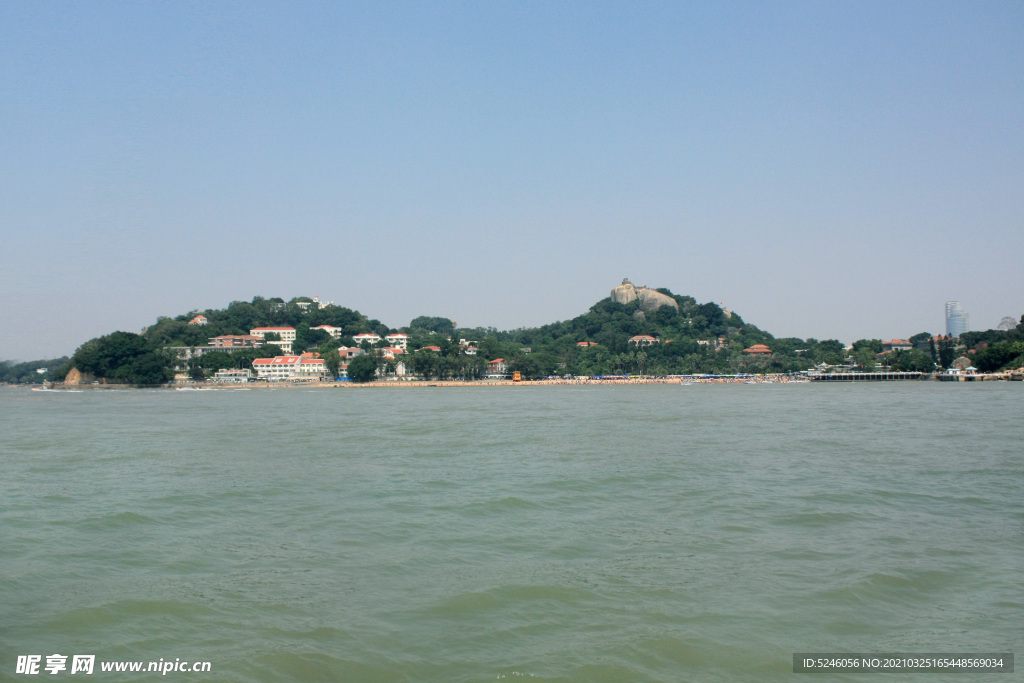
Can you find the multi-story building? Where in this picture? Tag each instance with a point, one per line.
(391, 351)
(366, 337)
(237, 341)
(335, 332)
(398, 339)
(288, 368)
(281, 368)
(497, 369)
(312, 369)
(957, 321)
(287, 335)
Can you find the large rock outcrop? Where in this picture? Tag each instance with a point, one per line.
(650, 299)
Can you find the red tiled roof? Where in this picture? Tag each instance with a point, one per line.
(273, 329)
(277, 360)
(757, 348)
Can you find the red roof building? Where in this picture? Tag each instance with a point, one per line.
(643, 340)
(758, 350)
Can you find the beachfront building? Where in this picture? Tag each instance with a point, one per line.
(198, 320)
(279, 369)
(237, 341)
(232, 376)
(497, 369)
(290, 368)
(758, 350)
(311, 369)
(396, 370)
(398, 339)
(286, 334)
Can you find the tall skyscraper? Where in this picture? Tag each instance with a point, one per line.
(956, 319)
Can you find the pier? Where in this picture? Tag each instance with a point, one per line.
(867, 376)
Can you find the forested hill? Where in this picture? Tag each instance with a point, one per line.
(241, 316)
(677, 339)
(694, 338)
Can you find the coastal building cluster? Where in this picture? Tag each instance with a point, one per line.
(395, 347)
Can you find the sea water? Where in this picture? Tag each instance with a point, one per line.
(564, 533)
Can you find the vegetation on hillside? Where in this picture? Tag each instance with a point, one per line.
(28, 373)
(698, 338)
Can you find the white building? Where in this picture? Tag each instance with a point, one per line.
(290, 368)
(367, 337)
(398, 339)
(287, 335)
(232, 376)
(311, 369)
(279, 369)
(335, 332)
(957, 320)
(497, 369)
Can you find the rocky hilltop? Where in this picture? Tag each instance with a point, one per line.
(650, 299)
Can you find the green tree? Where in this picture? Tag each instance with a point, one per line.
(866, 358)
(195, 370)
(911, 361)
(873, 345)
(126, 357)
(433, 324)
(999, 356)
(363, 368)
(332, 359)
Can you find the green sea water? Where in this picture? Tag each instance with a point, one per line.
(594, 533)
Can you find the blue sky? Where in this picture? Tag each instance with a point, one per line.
(829, 170)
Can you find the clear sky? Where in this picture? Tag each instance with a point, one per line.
(825, 169)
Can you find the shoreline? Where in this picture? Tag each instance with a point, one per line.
(1014, 376)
